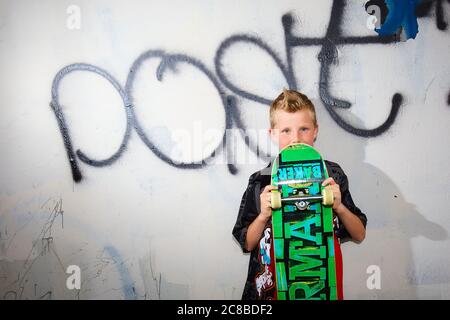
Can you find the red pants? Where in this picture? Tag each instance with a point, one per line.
(339, 269)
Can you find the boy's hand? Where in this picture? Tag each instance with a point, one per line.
(330, 183)
(265, 205)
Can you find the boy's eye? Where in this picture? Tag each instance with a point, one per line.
(285, 130)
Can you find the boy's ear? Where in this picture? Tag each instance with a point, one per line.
(316, 132)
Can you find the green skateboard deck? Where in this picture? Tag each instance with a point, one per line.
(302, 250)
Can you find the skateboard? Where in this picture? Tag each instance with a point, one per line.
(298, 247)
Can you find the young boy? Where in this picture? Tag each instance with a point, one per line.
(292, 120)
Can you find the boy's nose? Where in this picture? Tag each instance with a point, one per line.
(296, 138)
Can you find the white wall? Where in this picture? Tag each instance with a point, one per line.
(140, 227)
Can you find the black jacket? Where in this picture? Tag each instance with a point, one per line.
(249, 210)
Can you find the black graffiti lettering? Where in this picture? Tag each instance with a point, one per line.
(167, 61)
(76, 174)
(226, 45)
(328, 55)
(423, 9)
(170, 61)
(328, 59)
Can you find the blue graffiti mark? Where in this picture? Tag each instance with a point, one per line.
(127, 281)
(402, 14)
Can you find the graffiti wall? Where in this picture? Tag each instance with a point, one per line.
(128, 132)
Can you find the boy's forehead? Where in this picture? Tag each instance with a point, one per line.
(283, 117)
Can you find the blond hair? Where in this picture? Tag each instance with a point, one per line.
(291, 101)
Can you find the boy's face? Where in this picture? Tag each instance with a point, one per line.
(296, 127)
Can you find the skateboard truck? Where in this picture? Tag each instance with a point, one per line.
(302, 205)
(301, 202)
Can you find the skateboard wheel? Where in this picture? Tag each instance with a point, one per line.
(275, 199)
(328, 197)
